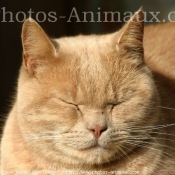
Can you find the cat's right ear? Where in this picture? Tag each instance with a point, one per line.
(38, 50)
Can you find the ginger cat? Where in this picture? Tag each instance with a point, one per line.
(94, 104)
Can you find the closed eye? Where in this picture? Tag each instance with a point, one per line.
(77, 107)
(70, 103)
(73, 105)
(113, 105)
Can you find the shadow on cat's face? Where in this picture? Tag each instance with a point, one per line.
(86, 102)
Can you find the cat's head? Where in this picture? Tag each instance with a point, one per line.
(82, 99)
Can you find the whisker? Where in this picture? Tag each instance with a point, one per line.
(148, 138)
(159, 151)
(159, 144)
(39, 138)
(152, 127)
(164, 107)
(153, 132)
(132, 151)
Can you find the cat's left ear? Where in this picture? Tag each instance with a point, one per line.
(130, 40)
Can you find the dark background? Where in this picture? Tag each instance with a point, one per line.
(10, 41)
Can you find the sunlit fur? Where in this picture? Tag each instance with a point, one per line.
(69, 84)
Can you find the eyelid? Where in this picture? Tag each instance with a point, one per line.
(75, 106)
(69, 103)
(116, 104)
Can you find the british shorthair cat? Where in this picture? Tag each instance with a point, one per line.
(94, 104)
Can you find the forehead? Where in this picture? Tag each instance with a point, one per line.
(92, 56)
(91, 71)
(84, 83)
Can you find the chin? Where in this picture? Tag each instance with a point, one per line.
(96, 155)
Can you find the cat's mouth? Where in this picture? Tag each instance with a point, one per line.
(95, 146)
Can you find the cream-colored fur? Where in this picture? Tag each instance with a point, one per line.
(70, 87)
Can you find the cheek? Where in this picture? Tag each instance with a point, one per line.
(46, 118)
(64, 118)
(133, 110)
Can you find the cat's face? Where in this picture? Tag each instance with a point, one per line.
(83, 100)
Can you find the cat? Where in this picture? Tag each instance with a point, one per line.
(94, 104)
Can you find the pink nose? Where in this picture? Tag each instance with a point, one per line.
(97, 130)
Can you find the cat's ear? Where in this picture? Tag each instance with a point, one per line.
(130, 40)
(38, 49)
